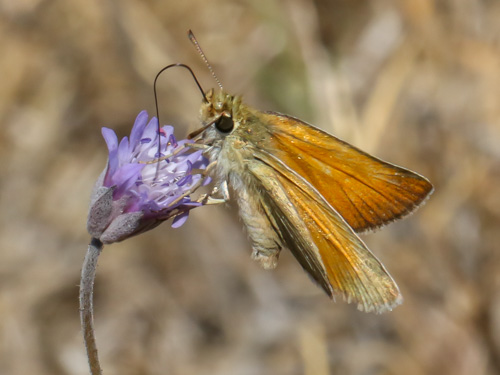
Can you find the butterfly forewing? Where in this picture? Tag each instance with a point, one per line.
(323, 243)
(367, 192)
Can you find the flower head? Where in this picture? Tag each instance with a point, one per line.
(132, 195)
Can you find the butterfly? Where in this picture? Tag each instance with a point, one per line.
(300, 188)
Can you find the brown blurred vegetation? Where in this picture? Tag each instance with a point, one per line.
(415, 82)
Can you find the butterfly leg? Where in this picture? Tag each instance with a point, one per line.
(223, 190)
(178, 150)
(195, 186)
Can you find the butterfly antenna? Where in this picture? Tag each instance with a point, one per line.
(200, 51)
(156, 102)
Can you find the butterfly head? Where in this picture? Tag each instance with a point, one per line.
(221, 110)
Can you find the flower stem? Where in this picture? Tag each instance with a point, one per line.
(86, 305)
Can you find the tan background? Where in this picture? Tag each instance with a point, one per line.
(415, 82)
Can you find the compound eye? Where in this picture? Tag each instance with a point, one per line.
(224, 124)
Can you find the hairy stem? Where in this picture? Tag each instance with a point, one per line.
(86, 305)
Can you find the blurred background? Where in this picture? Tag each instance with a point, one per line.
(415, 82)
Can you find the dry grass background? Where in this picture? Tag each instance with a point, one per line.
(415, 82)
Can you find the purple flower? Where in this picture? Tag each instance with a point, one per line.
(131, 196)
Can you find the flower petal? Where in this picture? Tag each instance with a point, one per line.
(110, 138)
(123, 152)
(138, 128)
(151, 129)
(180, 219)
(125, 177)
(112, 143)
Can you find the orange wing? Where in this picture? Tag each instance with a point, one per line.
(367, 192)
(323, 243)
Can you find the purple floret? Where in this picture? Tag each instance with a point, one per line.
(132, 196)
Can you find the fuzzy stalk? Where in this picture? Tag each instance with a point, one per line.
(86, 304)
